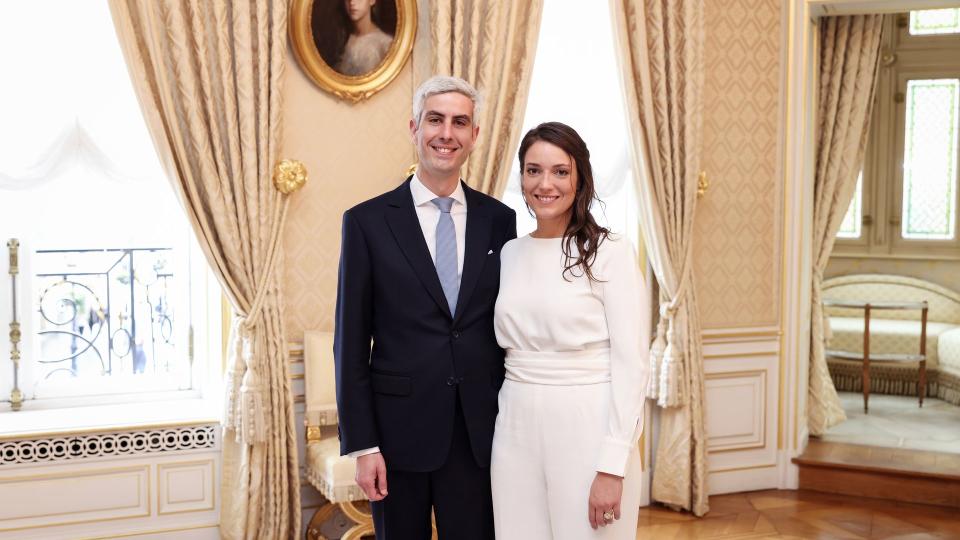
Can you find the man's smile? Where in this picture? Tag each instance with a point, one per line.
(444, 149)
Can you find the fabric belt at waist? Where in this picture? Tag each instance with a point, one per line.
(591, 366)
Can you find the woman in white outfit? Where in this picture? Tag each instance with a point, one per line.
(572, 316)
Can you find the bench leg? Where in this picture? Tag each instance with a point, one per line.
(341, 521)
(866, 387)
(866, 359)
(922, 390)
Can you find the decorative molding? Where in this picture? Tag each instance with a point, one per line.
(128, 489)
(115, 444)
(756, 436)
(745, 468)
(206, 497)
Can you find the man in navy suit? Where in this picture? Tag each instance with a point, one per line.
(419, 277)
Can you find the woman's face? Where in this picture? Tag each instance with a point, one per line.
(549, 180)
(358, 9)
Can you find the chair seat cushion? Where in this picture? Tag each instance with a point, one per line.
(888, 336)
(332, 474)
(948, 348)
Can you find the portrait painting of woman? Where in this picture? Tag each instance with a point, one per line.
(354, 36)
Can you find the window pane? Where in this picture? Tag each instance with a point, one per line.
(935, 21)
(850, 228)
(109, 320)
(104, 289)
(930, 159)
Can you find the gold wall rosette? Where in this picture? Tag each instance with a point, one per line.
(289, 175)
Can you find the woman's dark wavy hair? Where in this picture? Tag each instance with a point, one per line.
(582, 230)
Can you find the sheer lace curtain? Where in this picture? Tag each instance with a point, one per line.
(67, 103)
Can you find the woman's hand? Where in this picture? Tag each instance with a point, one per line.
(605, 497)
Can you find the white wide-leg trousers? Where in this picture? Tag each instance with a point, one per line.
(545, 451)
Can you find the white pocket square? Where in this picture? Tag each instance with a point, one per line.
(490, 252)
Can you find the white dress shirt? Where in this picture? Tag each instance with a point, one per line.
(429, 216)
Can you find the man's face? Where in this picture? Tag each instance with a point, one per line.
(446, 134)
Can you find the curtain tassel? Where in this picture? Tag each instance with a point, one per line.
(251, 422)
(671, 372)
(251, 425)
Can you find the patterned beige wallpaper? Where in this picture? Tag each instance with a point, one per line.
(352, 153)
(738, 232)
(943, 273)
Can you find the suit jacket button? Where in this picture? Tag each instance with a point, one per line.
(456, 334)
(451, 381)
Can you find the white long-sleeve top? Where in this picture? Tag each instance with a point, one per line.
(538, 312)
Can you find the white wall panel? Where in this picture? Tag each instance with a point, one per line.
(742, 368)
(185, 487)
(741, 426)
(71, 497)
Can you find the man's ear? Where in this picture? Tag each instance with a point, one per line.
(413, 131)
(476, 131)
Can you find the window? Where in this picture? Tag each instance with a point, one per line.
(935, 21)
(907, 196)
(930, 159)
(593, 105)
(112, 293)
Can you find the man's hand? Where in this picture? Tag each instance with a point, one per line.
(605, 496)
(372, 476)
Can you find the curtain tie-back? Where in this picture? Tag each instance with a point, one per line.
(671, 366)
(246, 396)
(246, 393)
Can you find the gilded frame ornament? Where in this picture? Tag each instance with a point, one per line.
(353, 88)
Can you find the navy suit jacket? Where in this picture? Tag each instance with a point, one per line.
(399, 392)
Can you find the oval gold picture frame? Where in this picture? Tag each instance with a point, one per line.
(353, 88)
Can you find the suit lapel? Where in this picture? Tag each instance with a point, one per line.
(403, 222)
(475, 251)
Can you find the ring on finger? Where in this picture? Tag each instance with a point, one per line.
(608, 516)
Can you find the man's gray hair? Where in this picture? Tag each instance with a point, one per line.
(441, 84)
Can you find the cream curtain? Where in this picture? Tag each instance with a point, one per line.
(208, 77)
(491, 44)
(850, 49)
(662, 44)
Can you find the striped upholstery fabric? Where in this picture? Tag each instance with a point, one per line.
(948, 347)
(886, 336)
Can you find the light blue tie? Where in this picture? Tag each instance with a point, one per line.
(447, 253)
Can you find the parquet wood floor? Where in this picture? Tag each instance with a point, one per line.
(801, 515)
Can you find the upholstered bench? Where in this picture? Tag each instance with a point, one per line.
(346, 514)
(895, 332)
